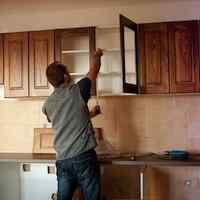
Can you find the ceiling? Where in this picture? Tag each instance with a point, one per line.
(8, 5)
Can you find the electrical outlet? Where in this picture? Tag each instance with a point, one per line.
(188, 183)
(191, 183)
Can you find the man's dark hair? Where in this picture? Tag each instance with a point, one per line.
(55, 73)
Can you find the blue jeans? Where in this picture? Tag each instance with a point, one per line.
(82, 170)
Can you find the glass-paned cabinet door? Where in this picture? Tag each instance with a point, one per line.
(128, 43)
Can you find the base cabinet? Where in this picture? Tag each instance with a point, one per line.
(10, 181)
(38, 181)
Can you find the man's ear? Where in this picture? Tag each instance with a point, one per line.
(67, 78)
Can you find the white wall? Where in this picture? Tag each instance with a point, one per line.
(36, 16)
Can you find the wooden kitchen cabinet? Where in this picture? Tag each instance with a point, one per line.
(118, 71)
(169, 59)
(41, 54)
(16, 64)
(183, 56)
(1, 60)
(75, 48)
(153, 58)
(26, 56)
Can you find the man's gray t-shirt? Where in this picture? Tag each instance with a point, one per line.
(67, 109)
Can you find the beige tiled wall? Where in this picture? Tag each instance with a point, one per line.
(153, 123)
(17, 121)
(142, 123)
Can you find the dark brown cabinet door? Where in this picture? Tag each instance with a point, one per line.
(41, 54)
(1, 60)
(153, 58)
(183, 56)
(16, 64)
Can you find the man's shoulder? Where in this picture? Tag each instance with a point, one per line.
(49, 99)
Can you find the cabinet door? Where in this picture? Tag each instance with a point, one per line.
(1, 59)
(183, 56)
(75, 48)
(41, 54)
(128, 41)
(16, 64)
(153, 58)
(43, 140)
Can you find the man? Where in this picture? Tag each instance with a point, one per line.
(66, 108)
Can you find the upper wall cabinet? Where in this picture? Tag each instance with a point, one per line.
(75, 48)
(153, 58)
(16, 64)
(26, 56)
(41, 54)
(169, 58)
(183, 56)
(1, 60)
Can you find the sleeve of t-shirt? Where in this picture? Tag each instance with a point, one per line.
(45, 112)
(43, 109)
(85, 88)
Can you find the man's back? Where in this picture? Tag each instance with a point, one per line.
(67, 109)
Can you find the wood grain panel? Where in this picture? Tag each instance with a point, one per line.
(172, 183)
(43, 140)
(41, 55)
(120, 182)
(153, 58)
(1, 60)
(198, 56)
(183, 56)
(16, 64)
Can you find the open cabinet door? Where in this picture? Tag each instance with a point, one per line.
(128, 41)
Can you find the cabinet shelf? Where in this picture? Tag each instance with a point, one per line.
(110, 74)
(75, 51)
(77, 74)
(116, 50)
(104, 74)
(87, 51)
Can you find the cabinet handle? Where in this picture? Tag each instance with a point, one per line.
(51, 170)
(26, 167)
(53, 196)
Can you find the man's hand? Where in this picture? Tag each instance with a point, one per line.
(94, 69)
(98, 53)
(96, 110)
